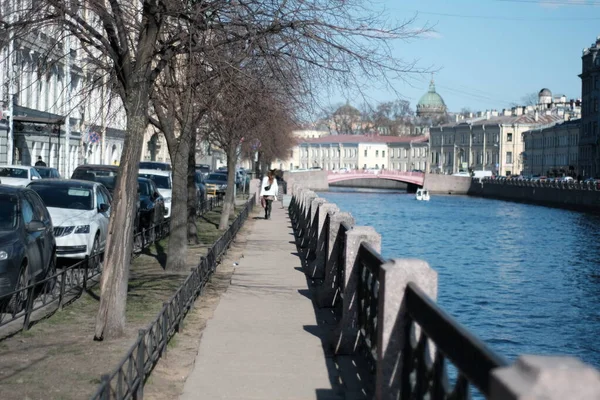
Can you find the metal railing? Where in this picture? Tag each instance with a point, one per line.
(66, 284)
(556, 184)
(127, 379)
(421, 378)
(430, 339)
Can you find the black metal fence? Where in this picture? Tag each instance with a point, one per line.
(65, 284)
(433, 342)
(556, 184)
(127, 380)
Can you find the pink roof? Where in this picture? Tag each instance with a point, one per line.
(332, 139)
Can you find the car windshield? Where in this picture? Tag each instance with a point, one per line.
(155, 165)
(8, 213)
(13, 173)
(217, 177)
(162, 181)
(44, 172)
(71, 197)
(144, 188)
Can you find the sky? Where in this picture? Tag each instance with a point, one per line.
(489, 54)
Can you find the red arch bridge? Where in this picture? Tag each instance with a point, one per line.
(415, 178)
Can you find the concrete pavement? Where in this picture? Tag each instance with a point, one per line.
(263, 341)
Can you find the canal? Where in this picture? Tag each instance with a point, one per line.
(524, 278)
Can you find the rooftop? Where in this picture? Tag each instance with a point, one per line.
(331, 139)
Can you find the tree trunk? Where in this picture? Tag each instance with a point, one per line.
(228, 202)
(192, 202)
(177, 259)
(110, 320)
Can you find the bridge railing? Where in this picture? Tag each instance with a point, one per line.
(375, 172)
(387, 316)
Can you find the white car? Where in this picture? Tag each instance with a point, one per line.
(164, 183)
(80, 211)
(18, 175)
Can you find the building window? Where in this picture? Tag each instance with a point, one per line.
(365, 153)
(383, 153)
(509, 158)
(509, 137)
(376, 153)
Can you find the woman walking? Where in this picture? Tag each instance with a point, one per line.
(268, 192)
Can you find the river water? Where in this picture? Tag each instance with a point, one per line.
(524, 278)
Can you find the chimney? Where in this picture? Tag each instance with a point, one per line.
(506, 112)
(494, 113)
(487, 114)
(536, 115)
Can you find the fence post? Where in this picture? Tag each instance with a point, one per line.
(61, 296)
(305, 219)
(346, 334)
(165, 320)
(325, 294)
(141, 367)
(313, 230)
(545, 377)
(29, 306)
(105, 393)
(86, 263)
(316, 266)
(394, 276)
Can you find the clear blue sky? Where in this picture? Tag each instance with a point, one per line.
(490, 53)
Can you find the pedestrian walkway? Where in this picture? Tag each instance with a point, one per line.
(263, 341)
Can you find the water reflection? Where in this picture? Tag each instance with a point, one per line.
(525, 278)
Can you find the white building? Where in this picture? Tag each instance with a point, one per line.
(54, 106)
(334, 152)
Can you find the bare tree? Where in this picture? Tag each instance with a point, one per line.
(530, 99)
(334, 43)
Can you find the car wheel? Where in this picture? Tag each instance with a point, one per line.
(18, 301)
(95, 258)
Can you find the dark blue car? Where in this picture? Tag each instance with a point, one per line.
(27, 245)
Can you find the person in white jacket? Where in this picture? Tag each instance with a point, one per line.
(268, 192)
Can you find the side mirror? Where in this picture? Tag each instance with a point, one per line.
(34, 177)
(35, 226)
(104, 207)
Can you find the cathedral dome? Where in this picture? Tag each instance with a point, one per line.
(347, 109)
(431, 102)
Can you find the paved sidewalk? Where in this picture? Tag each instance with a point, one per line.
(261, 342)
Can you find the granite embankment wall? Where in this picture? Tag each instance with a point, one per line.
(576, 197)
(447, 184)
(314, 180)
(371, 184)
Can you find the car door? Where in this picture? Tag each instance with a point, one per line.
(41, 214)
(34, 241)
(102, 216)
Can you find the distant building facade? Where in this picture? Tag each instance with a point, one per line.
(53, 107)
(553, 151)
(589, 141)
(355, 152)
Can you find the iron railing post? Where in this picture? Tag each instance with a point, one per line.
(61, 297)
(141, 367)
(29, 306)
(105, 391)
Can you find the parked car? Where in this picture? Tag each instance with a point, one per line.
(27, 245)
(216, 183)
(104, 174)
(155, 165)
(80, 211)
(152, 204)
(204, 169)
(48, 172)
(163, 182)
(18, 175)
